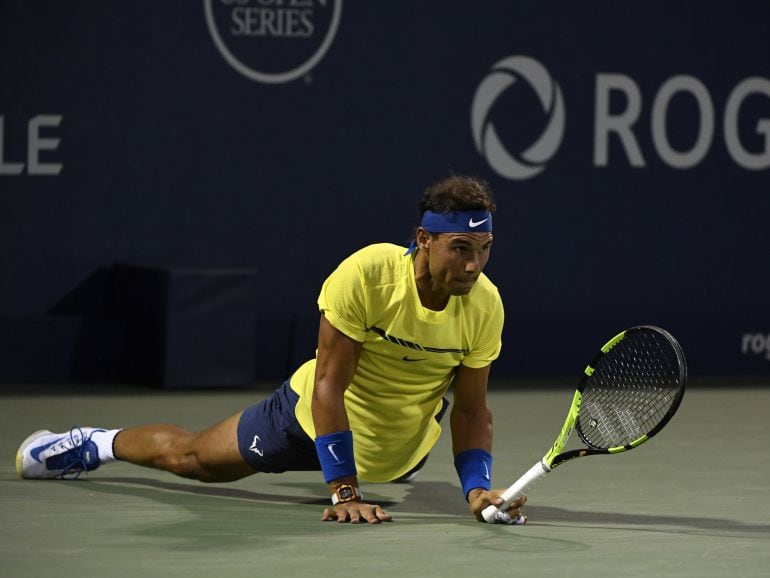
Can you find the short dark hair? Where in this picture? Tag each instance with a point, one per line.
(457, 193)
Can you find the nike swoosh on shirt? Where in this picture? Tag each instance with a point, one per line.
(473, 224)
(35, 452)
(407, 358)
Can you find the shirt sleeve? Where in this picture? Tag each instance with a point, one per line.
(489, 342)
(342, 300)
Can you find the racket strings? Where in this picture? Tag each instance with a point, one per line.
(630, 392)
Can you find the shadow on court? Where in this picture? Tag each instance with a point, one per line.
(435, 499)
(665, 510)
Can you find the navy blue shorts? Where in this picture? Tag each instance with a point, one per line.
(270, 438)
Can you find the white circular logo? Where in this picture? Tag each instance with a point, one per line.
(273, 41)
(532, 161)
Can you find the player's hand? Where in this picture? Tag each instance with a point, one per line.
(479, 499)
(356, 513)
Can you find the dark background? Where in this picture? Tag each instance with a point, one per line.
(197, 211)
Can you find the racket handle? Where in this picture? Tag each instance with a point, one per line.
(515, 490)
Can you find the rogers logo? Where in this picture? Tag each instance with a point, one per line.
(744, 122)
(756, 343)
(273, 41)
(533, 160)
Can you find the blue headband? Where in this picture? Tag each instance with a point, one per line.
(455, 222)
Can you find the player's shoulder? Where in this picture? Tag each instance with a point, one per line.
(486, 284)
(485, 295)
(381, 262)
(380, 252)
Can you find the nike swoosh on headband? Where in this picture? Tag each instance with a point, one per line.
(473, 224)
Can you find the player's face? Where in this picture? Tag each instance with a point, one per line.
(457, 259)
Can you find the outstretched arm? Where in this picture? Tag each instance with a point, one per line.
(336, 363)
(471, 422)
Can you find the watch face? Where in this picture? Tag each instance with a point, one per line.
(346, 493)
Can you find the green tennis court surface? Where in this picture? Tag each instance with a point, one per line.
(694, 501)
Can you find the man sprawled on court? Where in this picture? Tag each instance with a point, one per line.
(398, 327)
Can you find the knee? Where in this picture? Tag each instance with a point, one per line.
(185, 464)
(178, 455)
(190, 464)
(198, 457)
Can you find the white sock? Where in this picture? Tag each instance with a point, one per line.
(104, 441)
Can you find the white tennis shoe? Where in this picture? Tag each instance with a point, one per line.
(48, 455)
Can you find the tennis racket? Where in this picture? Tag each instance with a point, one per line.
(626, 395)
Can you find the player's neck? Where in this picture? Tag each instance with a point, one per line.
(432, 296)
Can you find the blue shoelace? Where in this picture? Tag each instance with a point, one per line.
(79, 463)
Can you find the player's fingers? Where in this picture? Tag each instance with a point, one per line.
(375, 515)
(505, 518)
(514, 511)
(497, 499)
(343, 516)
(355, 514)
(515, 508)
(329, 514)
(519, 502)
(368, 515)
(382, 515)
(480, 499)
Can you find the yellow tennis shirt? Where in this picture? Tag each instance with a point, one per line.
(408, 357)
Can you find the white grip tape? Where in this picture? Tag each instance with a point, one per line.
(515, 490)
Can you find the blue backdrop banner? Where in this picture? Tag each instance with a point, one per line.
(627, 143)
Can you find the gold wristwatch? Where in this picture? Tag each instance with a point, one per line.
(346, 493)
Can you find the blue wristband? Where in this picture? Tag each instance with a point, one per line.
(335, 452)
(475, 470)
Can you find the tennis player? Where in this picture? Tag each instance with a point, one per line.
(398, 327)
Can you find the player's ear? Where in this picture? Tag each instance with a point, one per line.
(423, 238)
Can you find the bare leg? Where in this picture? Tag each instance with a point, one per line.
(209, 456)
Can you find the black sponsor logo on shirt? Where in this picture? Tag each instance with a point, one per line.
(415, 346)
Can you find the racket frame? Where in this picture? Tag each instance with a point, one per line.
(556, 456)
